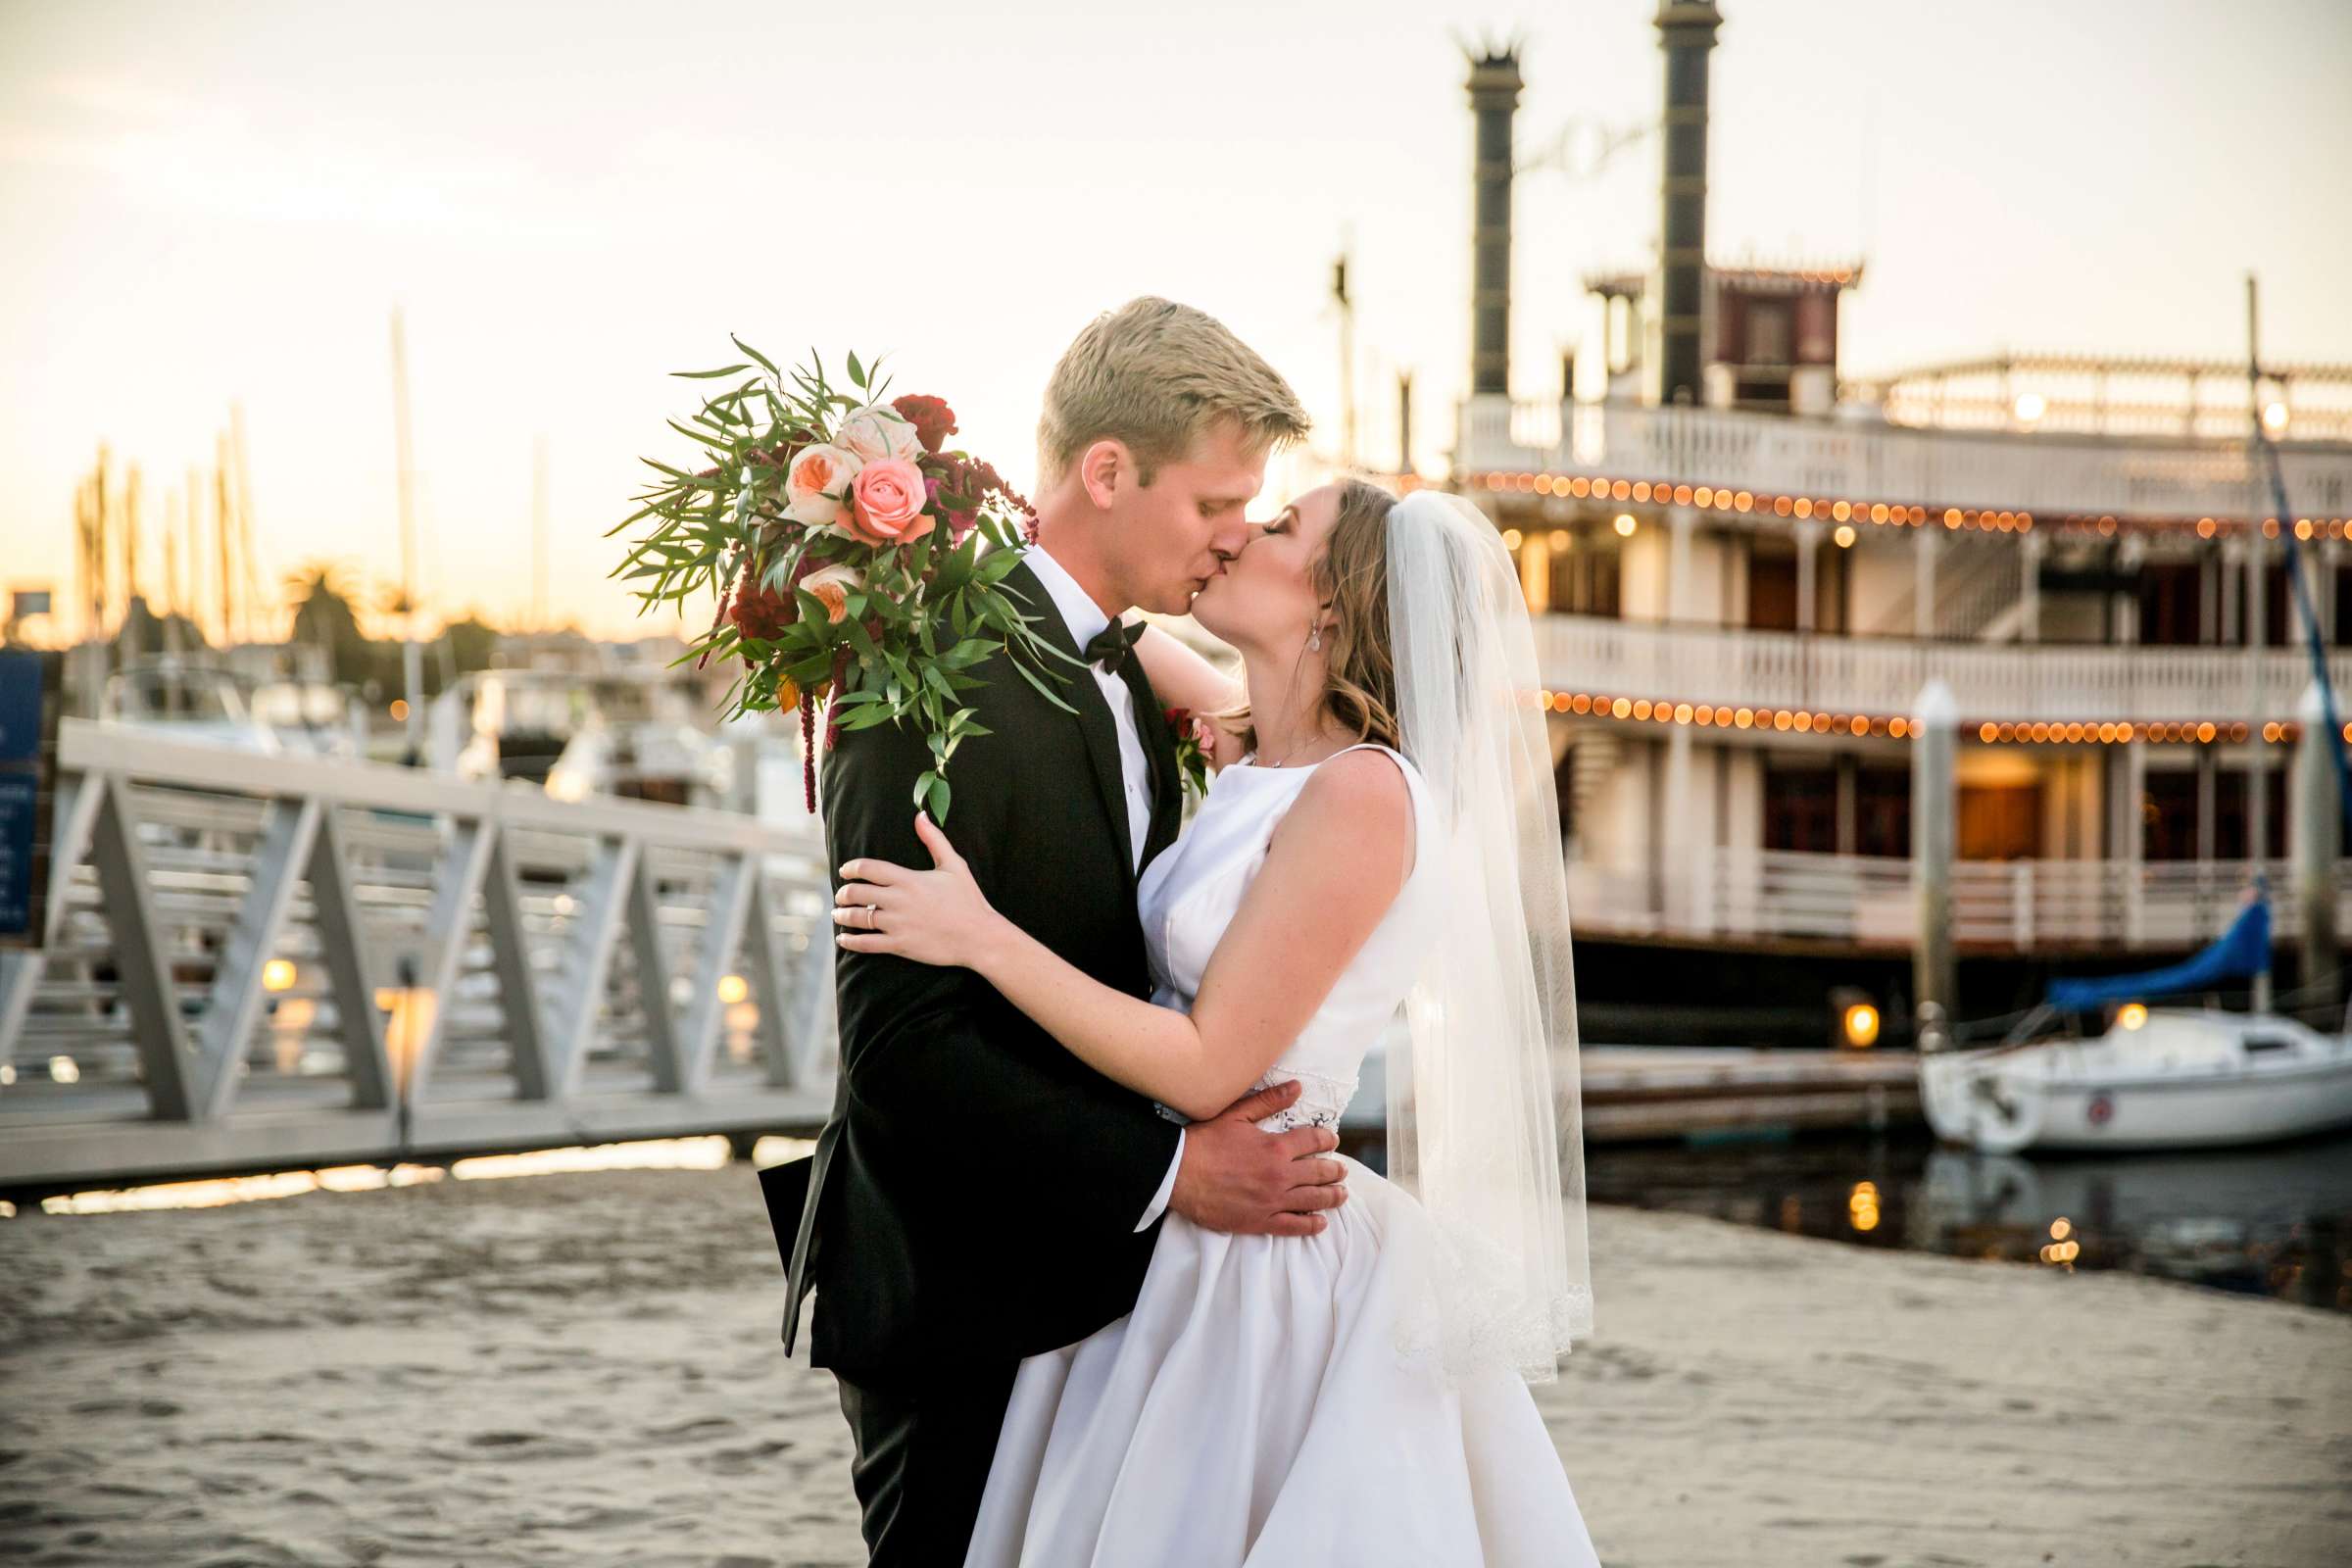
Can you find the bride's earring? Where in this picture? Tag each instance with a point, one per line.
(1315, 638)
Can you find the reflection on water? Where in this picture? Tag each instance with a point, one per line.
(2274, 1221)
(2271, 1221)
(651, 1154)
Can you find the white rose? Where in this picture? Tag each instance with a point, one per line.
(877, 432)
(818, 484)
(831, 584)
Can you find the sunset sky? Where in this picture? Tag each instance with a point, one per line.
(223, 202)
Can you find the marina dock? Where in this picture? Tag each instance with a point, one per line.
(1641, 1091)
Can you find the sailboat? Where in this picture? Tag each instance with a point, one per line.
(2157, 1078)
(2164, 1078)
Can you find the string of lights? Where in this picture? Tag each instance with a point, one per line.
(1883, 514)
(1897, 726)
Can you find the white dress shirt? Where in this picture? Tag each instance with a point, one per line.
(1085, 619)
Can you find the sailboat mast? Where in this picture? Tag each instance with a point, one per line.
(224, 537)
(244, 485)
(411, 658)
(1346, 305)
(175, 599)
(539, 535)
(2258, 793)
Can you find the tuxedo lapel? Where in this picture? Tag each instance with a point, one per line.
(1093, 719)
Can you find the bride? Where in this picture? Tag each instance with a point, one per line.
(1382, 836)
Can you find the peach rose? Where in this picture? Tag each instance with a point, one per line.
(885, 503)
(878, 431)
(816, 487)
(831, 585)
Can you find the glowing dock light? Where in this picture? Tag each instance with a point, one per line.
(277, 975)
(1624, 525)
(1861, 1024)
(2131, 1015)
(1862, 1206)
(732, 988)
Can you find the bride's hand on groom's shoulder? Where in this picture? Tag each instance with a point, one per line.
(937, 916)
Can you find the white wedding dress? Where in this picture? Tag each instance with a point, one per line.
(1254, 1407)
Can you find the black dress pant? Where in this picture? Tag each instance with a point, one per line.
(923, 1449)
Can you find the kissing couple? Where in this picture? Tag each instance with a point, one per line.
(1094, 1285)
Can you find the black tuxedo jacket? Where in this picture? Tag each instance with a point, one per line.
(976, 1189)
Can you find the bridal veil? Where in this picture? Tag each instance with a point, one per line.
(1484, 1124)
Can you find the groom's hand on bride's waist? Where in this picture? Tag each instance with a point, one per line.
(1238, 1177)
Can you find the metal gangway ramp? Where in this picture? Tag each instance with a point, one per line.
(250, 963)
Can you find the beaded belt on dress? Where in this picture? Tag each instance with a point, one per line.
(1319, 1103)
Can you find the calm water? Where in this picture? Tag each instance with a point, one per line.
(2271, 1221)
(2274, 1221)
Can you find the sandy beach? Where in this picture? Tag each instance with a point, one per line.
(584, 1369)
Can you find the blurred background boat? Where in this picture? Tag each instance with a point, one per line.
(2155, 1079)
(195, 701)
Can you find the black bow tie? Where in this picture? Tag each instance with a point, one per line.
(1108, 648)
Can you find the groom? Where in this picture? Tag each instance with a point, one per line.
(979, 1195)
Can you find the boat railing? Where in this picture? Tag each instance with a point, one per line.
(1870, 902)
(1730, 667)
(1843, 458)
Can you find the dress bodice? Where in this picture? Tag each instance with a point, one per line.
(1191, 894)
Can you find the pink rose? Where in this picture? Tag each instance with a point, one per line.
(885, 503)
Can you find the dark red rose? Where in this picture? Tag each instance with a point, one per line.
(761, 614)
(933, 420)
(959, 523)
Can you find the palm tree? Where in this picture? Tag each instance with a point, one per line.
(325, 614)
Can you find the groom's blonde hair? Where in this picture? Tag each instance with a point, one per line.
(1154, 374)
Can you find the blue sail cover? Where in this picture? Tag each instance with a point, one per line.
(2241, 951)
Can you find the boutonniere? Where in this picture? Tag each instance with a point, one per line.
(1193, 738)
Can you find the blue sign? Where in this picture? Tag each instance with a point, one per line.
(20, 707)
(20, 787)
(19, 790)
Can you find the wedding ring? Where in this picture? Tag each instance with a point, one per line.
(873, 921)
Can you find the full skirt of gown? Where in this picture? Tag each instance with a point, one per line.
(1253, 1410)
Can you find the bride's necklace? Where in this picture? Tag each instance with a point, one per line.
(1286, 756)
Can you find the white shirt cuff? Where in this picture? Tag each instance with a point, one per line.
(1167, 1187)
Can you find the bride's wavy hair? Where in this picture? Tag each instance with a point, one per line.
(1350, 579)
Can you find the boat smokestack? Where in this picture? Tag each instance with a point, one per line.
(1687, 37)
(1494, 85)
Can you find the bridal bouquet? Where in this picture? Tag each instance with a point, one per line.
(844, 543)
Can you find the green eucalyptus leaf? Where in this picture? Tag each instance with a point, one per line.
(758, 358)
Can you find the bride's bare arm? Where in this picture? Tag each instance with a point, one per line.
(1334, 865)
(1183, 678)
